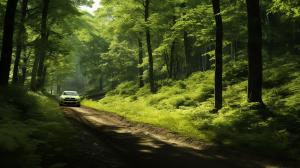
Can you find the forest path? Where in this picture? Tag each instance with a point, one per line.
(145, 146)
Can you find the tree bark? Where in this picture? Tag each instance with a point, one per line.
(43, 45)
(24, 66)
(167, 62)
(187, 48)
(218, 54)
(172, 56)
(177, 70)
(254, 51)
(7, 42)
(34, 70)
(24, 71)
(187, 51)
(140, 44)
(20, 41)
(149, 47)
(44, 76)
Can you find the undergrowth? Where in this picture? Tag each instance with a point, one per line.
(186, 107)
(33, 132)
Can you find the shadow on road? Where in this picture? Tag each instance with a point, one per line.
(137, 150)
(141, 152)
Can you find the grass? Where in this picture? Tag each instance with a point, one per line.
(34, 132)
(186, 107)
(142, 112)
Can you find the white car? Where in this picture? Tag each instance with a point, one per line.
(69, 98)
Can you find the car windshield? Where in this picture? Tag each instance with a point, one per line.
(70, 93)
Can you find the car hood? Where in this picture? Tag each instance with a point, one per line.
(69, 96)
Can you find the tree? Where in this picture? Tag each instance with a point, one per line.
(140, 60)
(42, 50)
(52, 16)
(172, 60)
(7, 42)
(187, 48)
(218, 54)
(20, 40)
(25, 60)
(254, 51)
(149, 47)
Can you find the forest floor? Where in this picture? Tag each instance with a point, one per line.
(186, 106)
(136, 145)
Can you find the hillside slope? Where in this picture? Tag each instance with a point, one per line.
(186, 107)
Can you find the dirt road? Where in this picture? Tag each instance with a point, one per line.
(144, 146)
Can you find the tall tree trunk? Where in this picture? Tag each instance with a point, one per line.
(204, 62)
(254, 51)
(218, 54)
(24, 71)
(141, 82)
(187, 48)
(58, 88)
(187, 51)
(7, 42)
(24, 66)
(43, 77)
(149, 47)
(200, 63)
(172, 56)
(177, 69)
(167, 62)
(20, 41)
(43, 45)
(33, 82)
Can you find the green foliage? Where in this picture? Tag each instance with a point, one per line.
(33, 132)
(124, 89)
(289, 8)
(186, 106)
(119, 63)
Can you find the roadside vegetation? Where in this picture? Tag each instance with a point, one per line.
(187, 107)
(34, 133)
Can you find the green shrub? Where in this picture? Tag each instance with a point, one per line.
(125, 89)
(187, 106)
(204, 93)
